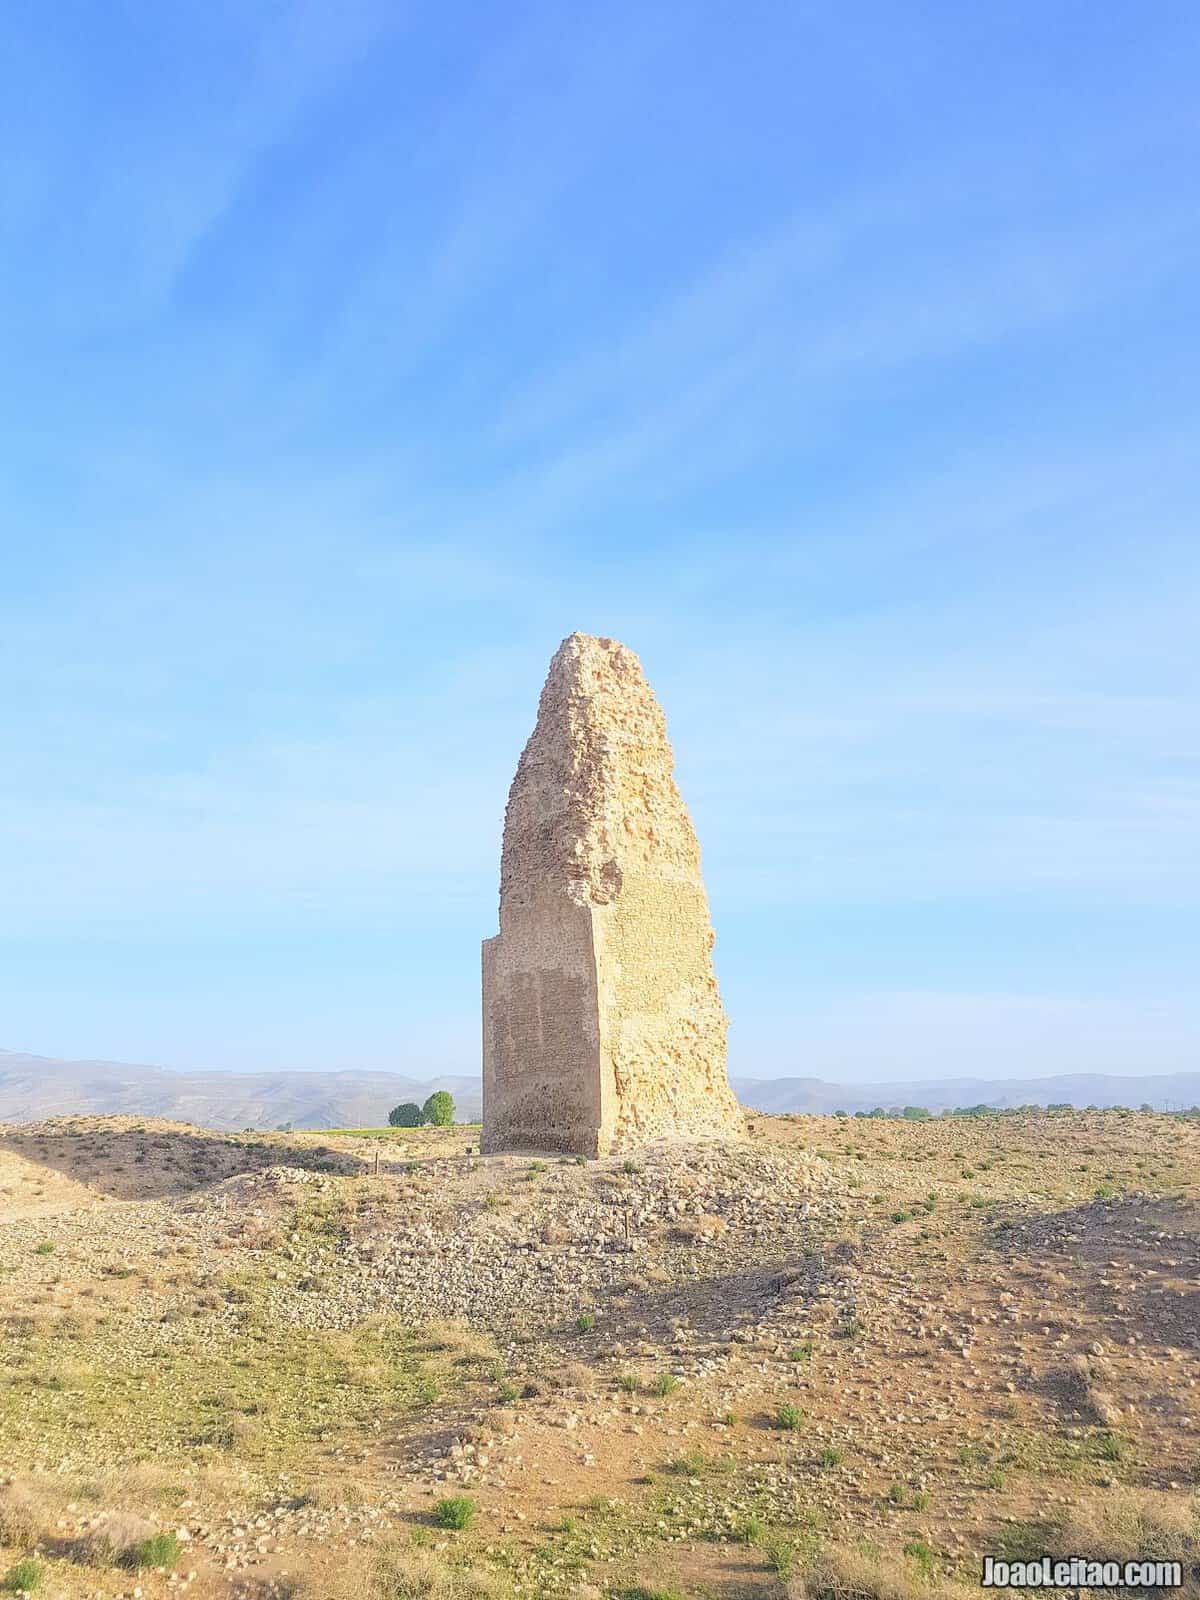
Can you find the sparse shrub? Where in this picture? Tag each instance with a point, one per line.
(629, 1382)
(159, 1550)
(25, 1578)
(631, 1168)
(918, 1551)
(840, 1574)
(1081, 1389)
(468, 1345)
(897, 1495)
(752, 1531)
(507, 1393)
(666, 1383)
(1110, 1447)
(920, 1500)
(457, 1511)
(789, 1417)
(801, 1352)
(782, 1557)
(574, 1375)
(695, 1230)
(1130, 1527)
(113, 1540)
(585, 1322)
(237, 1431)
(902, 1216)
(21, 1515)
(46, 1248)
(394, 1570)
(831, 1456)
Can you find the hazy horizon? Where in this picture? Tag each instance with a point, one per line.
(419, 1071)
(842, 366)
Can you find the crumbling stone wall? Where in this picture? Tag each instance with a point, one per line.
(602, 1023)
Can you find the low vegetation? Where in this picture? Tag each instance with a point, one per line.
(843, 1361)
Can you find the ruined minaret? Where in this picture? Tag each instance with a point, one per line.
(602, 1024)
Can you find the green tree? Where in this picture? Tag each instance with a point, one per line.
(409, 1115)
(439, 1109)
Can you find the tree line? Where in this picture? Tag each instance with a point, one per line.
(437, 1112)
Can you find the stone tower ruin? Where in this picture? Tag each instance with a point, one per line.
(602, 1024)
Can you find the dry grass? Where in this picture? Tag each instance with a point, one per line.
(394, 1572)
(1132, 1526)
(573, 1375)
(695, 1230)
(117, 1358)
(23, 1515)
(114, 1537)
(1081, 1380)
(460, 1341)
(842, 1574)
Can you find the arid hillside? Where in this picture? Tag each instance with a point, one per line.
(36, 1087)
(848, 1357)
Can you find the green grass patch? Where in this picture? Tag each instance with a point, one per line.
(458, 1511)
(169, 1391)
(26, 1577)
(160, 1550)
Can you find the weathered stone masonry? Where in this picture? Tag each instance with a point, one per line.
(602, 1024)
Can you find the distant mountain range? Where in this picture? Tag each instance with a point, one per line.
(1173, 1092)
(32, 1087)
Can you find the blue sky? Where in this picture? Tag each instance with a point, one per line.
(840, 359)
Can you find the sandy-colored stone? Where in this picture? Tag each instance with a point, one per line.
(602, 1023)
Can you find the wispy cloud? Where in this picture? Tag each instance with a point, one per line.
(355, 358)
(162, 162)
